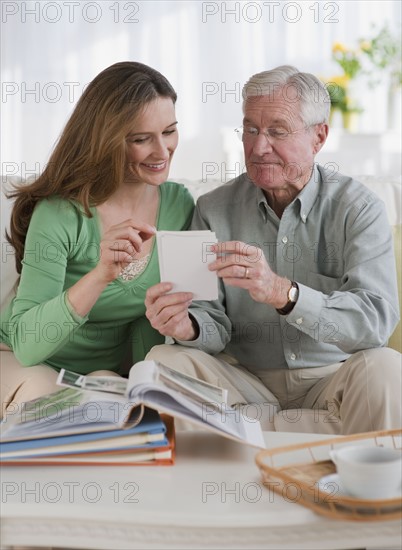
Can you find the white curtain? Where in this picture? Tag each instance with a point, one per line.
(207, 50)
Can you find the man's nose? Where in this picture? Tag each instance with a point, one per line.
(262, 144)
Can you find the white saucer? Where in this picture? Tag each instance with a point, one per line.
(331, 485)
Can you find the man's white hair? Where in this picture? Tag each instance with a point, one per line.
(304, 88)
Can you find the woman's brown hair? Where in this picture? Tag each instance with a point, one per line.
(89, 160)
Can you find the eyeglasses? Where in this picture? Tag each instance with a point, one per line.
(275, 134)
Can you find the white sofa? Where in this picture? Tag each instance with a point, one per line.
(295, 420)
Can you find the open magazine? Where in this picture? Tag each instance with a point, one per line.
(91, 403)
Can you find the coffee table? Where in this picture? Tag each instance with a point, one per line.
(212, 498)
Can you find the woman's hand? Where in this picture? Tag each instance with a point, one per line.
(168, 313)
(244, 266)
(119, 246)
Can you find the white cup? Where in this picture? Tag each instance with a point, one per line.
(369, 472)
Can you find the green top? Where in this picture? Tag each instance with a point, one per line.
(62, 245)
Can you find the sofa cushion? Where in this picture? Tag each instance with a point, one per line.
(9, 275)
(395, 341)
(389, 190)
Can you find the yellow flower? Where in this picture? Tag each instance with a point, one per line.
(341, 81)
(365, 46)
(339, 47)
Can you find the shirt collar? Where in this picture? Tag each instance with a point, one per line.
(306, 197)
(262, 202)
(309, 194)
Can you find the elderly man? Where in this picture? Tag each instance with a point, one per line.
(308, 295)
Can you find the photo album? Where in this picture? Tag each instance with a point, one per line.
(95, 415)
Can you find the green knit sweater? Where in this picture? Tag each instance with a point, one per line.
(62, 245)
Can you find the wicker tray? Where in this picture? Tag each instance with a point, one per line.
(293, 471)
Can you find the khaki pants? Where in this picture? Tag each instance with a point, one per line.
(364, 392)
(19, 384)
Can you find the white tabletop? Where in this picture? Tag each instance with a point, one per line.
(212, 498)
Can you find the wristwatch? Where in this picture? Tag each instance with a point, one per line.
(293, 294)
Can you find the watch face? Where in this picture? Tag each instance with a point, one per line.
(293, 294)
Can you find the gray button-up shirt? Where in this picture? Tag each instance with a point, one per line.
(334, 239)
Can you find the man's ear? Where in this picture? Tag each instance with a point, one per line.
(321, 134)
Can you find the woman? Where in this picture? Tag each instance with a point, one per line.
(83, 234)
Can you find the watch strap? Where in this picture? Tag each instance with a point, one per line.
(287, 308)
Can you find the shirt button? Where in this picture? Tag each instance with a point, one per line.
(284, 240)
(292, 356)
(304, 217)
(299, 321)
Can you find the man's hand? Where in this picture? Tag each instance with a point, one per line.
(244, 266)
(168, 313)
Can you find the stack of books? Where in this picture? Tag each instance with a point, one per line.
(111, 420)
(38, 436)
